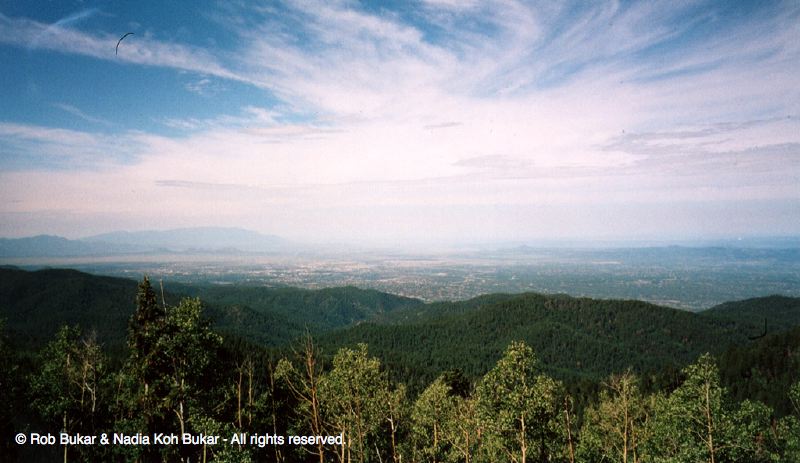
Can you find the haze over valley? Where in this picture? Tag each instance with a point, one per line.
(687, 275)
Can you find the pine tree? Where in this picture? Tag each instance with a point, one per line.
(145, 327)
(168, 377)
(139, 392)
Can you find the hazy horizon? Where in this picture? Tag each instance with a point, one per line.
(212, 236)
(420, 122)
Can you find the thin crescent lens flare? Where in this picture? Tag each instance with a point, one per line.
(116, 50)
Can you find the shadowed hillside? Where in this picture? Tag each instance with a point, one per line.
(574, 336)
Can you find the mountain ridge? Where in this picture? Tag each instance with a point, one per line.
(35, 304)
(583, 336)
(179, 240)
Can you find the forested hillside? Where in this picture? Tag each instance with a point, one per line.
(36, 304)
(180, 377)
(295, 310)
(779, 312)
(573, 336)
(761, 370)
(517, 378)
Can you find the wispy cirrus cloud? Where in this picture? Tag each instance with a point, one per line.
(78, 113)
(50, 32)
(143, 50)
(34, 148)
(455, 104)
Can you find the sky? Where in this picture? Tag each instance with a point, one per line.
(402, 122)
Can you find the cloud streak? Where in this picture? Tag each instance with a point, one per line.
(143, 51)
(35, 148)
(78, 113)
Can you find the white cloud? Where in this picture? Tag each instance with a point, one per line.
(33, 148)
(534, 108)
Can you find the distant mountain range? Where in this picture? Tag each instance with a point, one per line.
(202, 239)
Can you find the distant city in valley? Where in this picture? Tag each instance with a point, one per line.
(691, 277)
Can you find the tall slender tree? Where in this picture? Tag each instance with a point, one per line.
(146, 365)
(304, 384)
(698, 422)
(430, 416)
(354, 395)
(463, 431)
(518, 409)
(169, 376)
(615, 428)
(67, 388)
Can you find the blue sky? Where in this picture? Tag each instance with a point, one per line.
(402, 122)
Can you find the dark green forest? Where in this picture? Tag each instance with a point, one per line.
(36, 304)
(498, 378)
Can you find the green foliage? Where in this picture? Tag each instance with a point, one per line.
(764, 369)
(67, 391)
(431, 416)
(788, 428)
(780, 312)
(616, 427)
(518, 408)
(304, 383)
(692, 421)
(314, 310)
(444, 422)
(354, 395)
(147, 319)
(223, 452)
(187, 347)
(37, 304)
(750, 436)
(697, 422)
(576, 338)
(169, 375)
(463, 432)
(516, 414)
(179, 376)
(11, 393)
